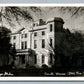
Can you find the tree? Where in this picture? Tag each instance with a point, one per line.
(12, 54)
(71, 49)
(77, 48)
(68, 49)
(4, 45)
(12, 14)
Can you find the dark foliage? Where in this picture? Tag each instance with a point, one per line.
(6, 49)
(4, 40)
(4, 45)
(69, 48)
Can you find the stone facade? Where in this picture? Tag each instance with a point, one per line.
(40, 38)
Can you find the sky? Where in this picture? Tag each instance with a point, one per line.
(73, 21)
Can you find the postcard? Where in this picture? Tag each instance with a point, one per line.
(41, 42)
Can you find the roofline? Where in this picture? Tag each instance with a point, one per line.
(18, 32)
(15, 33)
(21, 29)
(37, 29)
(54, 21)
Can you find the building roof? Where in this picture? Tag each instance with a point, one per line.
(57, 19)
(17, 32)
(42, 27)
(21, 29)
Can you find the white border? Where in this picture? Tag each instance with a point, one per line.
(43, 4)
(42, 78)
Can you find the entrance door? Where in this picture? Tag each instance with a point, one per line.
(22, 59)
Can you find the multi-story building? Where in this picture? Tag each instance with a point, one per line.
(40, 40)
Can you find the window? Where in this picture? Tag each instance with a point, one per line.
(43, 59)
(14, 44)
(37, 24)
(35, 60)
(25, 35)
(51, 56)
(22, 45)
(14, 37)
(35, 34)
(51, 42)
(43, 43)
(35, 44)
(25, 44)
(43, 32)
(22, 35)
(50, 27)
(33, 25)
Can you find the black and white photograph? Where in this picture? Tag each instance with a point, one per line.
(41, 41)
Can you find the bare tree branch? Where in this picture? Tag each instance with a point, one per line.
(75, 12)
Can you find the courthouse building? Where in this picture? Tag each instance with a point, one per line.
(35, 45)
